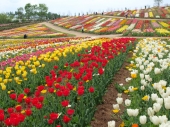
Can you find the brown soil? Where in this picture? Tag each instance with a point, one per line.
(104, 112)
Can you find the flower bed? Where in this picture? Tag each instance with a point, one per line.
(148, 87)
(74, 79)
(33, 31)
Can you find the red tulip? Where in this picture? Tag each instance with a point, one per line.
(28, 112)
(40, 88)
(54, 116)
(10, 110)
(27, 90)
(58, 125)
(50, 121)
(8, 122)
(37, 93)
(66, 119)
(15, 121)
(41, 98)
(1, 111)
(70, 111)
(21, 117)
(91, 89)
(65, 103)
(18, 108)
(19, 99)
(66, 92)
(38, 105)
(100, 71)
(13, 96)
(59, 93)
(2, 116)
(55, 67)
(28, 100)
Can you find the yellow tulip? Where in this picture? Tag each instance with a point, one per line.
(5, 81)
(115, 111)
(43, 91)
(18, 72)
(43, 65)
(37, 63)
(3, 87)
(145, 98)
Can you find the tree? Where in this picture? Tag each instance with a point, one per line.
(28, 10)
(20, 13)
(34, 11)
(4, 18)
(31, 11)
(157, 2)
(42, 11)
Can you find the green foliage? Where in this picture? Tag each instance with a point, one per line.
(4, 18)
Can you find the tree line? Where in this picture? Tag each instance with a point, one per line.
(28, 13)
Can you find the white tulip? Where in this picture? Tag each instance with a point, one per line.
(128, 79)
(119, 100)
(164, 95)
(154, 97)
(121, 84)
(141, 76)
(137, 65)
(147, 77)
(127, 102)
(135, 112)
(168, 90)
(131, 88)
(162, 82)
(159, 100)
(155, 120)
(157, 71)
(116, 106)
(130, 112)
(164, 125)
(143, 82)
(150, 111)
(167, 102)
(142, 88)
(157, 107)
(141, 67)
(143, 119)
(163, 119)
(111, 123)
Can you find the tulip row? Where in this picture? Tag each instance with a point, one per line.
(153, 12)
(32, 31)
(149, 93)
(23, 49)
(73, 88)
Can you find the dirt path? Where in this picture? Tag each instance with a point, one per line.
(78, 34)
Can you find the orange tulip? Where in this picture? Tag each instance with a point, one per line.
(135, 125)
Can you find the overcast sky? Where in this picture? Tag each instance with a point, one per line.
(78, 6)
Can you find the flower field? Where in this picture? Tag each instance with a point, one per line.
(56, 82)
(154, 12)
(148, 87)
(107, 25)
(33, 31)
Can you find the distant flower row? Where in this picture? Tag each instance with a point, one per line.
(31, 31)
(162, 12)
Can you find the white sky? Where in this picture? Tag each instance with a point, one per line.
(78, 6)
